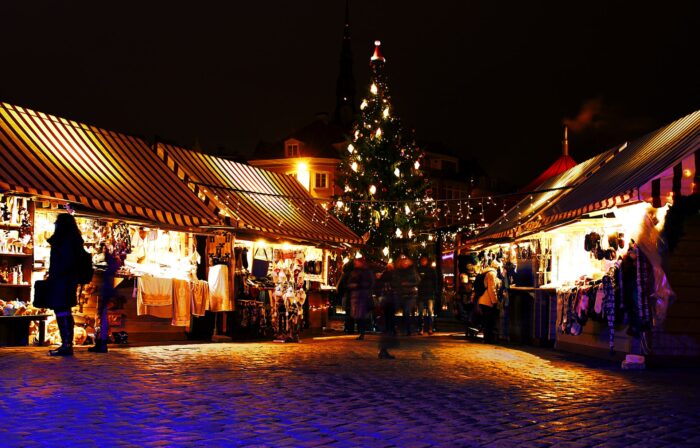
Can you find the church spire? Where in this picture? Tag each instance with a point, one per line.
(345, 86)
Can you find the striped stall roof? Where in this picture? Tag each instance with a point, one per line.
(525, 215)
(642, 161)
(255, 200)
(111, 173)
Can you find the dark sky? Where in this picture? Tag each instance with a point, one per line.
(492, 80)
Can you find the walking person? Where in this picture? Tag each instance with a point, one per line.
(65, 243)
(407, 284)
(360, 283)
(107, 293)
(344, 294)
(426, 295)
(488, 301)
(386, 289)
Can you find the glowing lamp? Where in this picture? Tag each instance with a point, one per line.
(416, 165)
(354, 166)
(351, 148)
(687, 173)
(386, 112)
(363, 105)
(399, 233)
(372, 190)
(373, 88)
(303, 175)
(397, 172)
(379, 133)
(385, 251)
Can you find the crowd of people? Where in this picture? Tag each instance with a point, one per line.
(400, 298)
(400, 286)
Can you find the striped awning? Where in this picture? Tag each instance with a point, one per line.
(111, 173)
(653, 168)
(254, 200)
(648, 169)
(526, 215)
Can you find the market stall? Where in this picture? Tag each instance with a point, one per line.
(590, 253)
(282, 242)
(55, 166)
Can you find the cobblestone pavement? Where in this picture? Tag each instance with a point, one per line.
(335, 392)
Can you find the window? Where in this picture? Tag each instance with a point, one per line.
(292, 150)
(321, 180)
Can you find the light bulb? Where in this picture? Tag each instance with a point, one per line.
(351, 148)
(407, 209)
(386, 112)
(363, 105)
(397, 172)
(410, 233)
(385, 251)
(354, 166)
(372, 189)
(416, 165)
(379, 133)
(339, 204)
(373, 88)
(399, 233)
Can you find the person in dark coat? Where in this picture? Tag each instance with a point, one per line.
(344, 295)
(360, 283)
(65, 243)
(107, 293)
(406, 280)
(426, 295)
(385, 288)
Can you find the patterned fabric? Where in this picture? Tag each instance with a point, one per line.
(609, 307)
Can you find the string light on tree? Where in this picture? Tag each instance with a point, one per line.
(377, 191)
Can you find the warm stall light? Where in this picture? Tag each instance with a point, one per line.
(372, 190)
(399, 233)
(358, 254)
(416, 165)
(351, 148)
(373, 88)
(386, 112)
(363, 105)
(687, 173)
(385, 251)
(397, 172)
(354, 166)
(261, 243)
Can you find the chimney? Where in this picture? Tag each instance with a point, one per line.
(565, 142)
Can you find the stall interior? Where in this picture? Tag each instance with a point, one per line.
(156, 284)
(272, 282)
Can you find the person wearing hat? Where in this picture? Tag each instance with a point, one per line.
(488, 301)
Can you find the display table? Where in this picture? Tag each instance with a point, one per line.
(14, 330)
(533, 313)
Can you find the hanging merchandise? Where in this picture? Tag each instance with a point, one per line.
(261, 262)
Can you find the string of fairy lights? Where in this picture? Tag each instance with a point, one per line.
(472, 209)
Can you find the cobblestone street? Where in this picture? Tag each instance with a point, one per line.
(439, 391)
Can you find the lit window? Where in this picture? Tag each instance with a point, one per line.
(321, 180)
(292, 150)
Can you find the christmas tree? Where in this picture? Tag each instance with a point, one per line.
(384, 188)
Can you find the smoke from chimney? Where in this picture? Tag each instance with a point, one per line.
(587, 116)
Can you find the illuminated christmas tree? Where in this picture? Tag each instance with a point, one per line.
(384, 197)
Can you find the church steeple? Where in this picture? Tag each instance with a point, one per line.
(345, 86)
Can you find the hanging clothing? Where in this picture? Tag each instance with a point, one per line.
(199, 290)
(154, 291)
(219, 297)
(181, 303)
(609, 308)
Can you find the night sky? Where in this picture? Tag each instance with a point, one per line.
(492, 80)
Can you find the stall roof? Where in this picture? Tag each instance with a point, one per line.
(528, 209)
(608, 179)
(255, 200)
(641, 161)
(111, 173)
